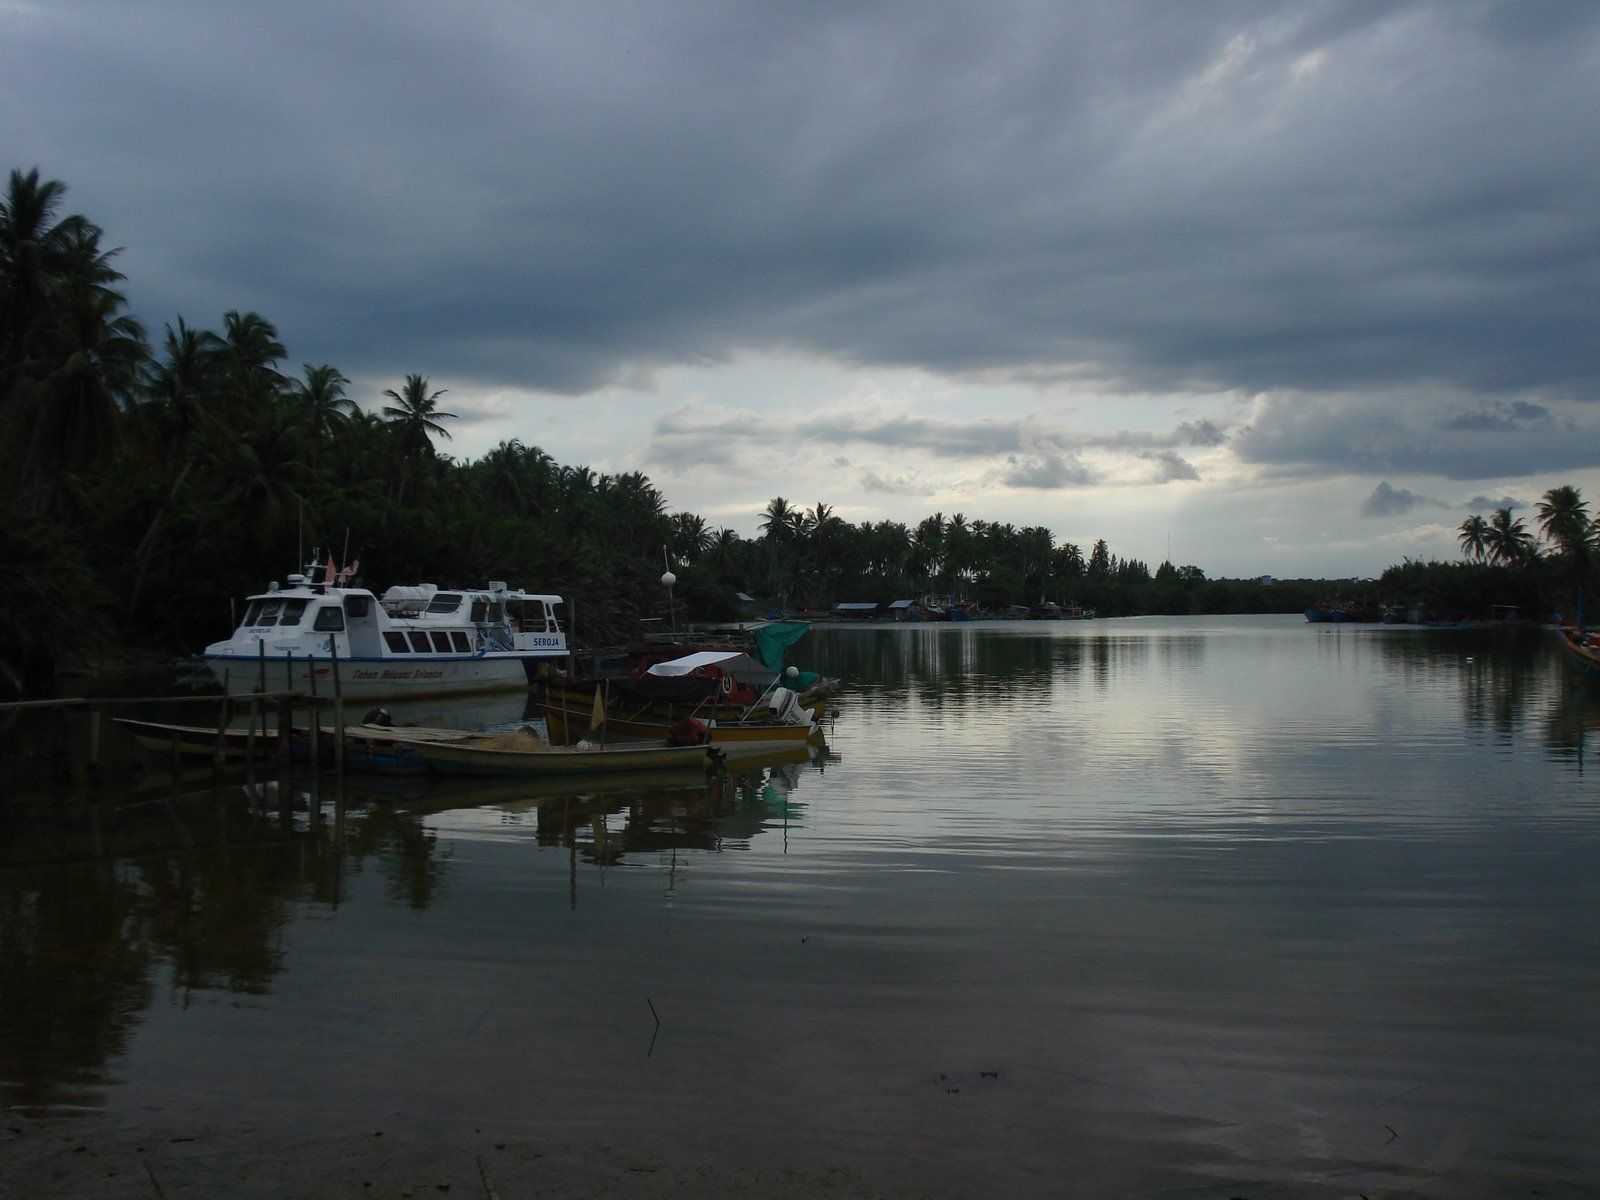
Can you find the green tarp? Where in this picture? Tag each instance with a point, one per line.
(771, 642)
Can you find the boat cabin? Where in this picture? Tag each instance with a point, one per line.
(405, 622)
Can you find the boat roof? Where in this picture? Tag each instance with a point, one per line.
(406, 592)
(727, 660)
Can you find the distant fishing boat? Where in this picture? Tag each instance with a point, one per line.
(412, 641)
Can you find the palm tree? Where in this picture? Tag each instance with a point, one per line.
(775, 518)
(1508, 541)
(415, 414)
(415, 417)
(1564, 521)
(324, 407)
(250, 351)
(1474, 536)
(691, 540)
(33, 249)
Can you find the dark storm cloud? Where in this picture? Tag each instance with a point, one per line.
(1247, 195)
(1411, 434)
(1387, 500)
(1497, 417)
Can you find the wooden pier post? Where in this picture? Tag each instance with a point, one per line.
(250, 742)
(338, 711)
(222, 724)
(315, 705)
(285, 732)
(95, 774)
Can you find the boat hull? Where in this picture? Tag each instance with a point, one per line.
(375, 678)
(1582, 659)
(567, 722)
(457, 758)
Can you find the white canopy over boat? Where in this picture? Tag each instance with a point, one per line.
(731, 662)
(748, 671)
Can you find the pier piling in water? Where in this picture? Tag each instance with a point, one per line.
(338, 711)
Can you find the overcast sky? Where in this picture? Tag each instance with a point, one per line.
(1297, 285)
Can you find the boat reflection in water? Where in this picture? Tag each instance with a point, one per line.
(171, 897)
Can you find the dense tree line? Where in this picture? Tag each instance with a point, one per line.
(1506, 563)
(148, 480)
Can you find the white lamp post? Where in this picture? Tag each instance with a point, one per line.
(667, 580)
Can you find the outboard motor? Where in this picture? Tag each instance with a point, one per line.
(785, 706)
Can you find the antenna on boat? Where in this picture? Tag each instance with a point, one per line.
(300, 535)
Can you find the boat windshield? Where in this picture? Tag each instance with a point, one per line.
(445, 602)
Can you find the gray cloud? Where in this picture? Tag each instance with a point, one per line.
(1501, 417)
(1418, 434)
(1386, 500)
(1046, 471)
(907, 483)
(1486, 504)
(1170, 465)
(1257, 196)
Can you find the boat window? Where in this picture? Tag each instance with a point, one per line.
(357, 606)
(251, 613)
(460, 642)
(558, 616)
(445, 602)
(497, 613)
(293, 610)
(441, 643)
(419, 643)
(269, 612)
(480, 611)
(329, 619)
(396, 641)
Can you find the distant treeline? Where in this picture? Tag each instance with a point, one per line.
(1505, 563)
(149, 481)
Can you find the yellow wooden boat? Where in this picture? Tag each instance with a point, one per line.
(567, 722)
(524, 752)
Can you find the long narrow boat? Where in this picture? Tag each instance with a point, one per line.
(382, 749)
(1582, 652)
(525, 753)
(200, 740)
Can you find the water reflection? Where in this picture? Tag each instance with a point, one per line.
(1221, 898)
(109, 907)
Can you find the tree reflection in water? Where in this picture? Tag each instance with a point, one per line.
(105, 906)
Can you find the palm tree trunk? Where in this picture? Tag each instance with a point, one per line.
(148, 542)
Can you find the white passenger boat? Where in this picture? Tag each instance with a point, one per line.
(412, 641)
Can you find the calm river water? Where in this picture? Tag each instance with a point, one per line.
(1199, 908)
